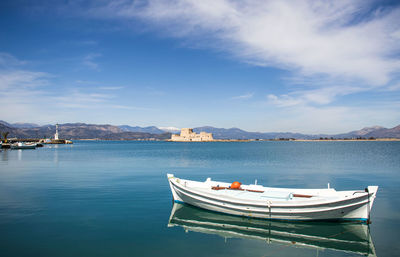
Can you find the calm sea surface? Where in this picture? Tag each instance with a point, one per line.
(113, 199)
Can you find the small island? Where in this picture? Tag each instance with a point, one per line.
(187, 135)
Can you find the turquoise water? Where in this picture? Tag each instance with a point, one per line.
(113, 199)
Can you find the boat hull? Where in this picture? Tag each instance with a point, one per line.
(355, 208)
(24, 147)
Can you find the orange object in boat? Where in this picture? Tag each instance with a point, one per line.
(236, 185)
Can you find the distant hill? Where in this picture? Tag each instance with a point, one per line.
(4, 123)
(79, 131)
(385, 133)
(236, 133)
(20, 124)
(375, 131)
(25, 125)
(126, 132)
(150, 129)
(5, 128)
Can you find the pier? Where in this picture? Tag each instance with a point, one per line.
(8, 142)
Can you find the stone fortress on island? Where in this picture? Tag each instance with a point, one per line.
(187, 135)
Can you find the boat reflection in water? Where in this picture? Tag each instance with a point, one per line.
(346, 237)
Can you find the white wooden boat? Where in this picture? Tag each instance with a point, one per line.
(345, 237)
(21, 145)
(275, 203)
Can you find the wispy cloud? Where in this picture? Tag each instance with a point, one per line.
(127, 107)
(99, 85)
(86, 42)
(20, 90)
(333, 119)
(19, 79)
(154, 92)
(111, 88)
(283, 100)
(394, 87)
(324, 44)
(8, 61)
(317, 96)
(89, 61)
(309, 37)
(79, 98)
(13, 76)
(33, 96)
(243, 97)
(87, 82)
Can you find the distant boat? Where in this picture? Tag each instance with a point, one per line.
(346, 237)
(21, 145)
(275, 203)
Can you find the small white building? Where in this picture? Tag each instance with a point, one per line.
(187, 135)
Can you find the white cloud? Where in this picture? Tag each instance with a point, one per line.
(243, 97)
(89, 62)
(111, 88)
(329, 119)
(78, 99)
(308, 37)
(32, 96)
(154, 91)
(12, 79)
(330, 48)
(9, 61)
(86, 42)
(87, 82)
(317, 96)
(22, 95)
(395, 87)
(284, 100)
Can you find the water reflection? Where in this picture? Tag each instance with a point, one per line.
(349, 237)
(55, 158)
(19, 154)
(4, 155)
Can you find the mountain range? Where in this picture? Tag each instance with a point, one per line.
(78, 131)
(126, 132)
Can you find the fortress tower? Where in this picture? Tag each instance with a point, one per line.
(187, 135)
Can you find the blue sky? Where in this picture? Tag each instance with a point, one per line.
(298, 66)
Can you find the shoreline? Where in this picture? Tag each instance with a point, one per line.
(251, 140)
(224, 140)
(348, 140)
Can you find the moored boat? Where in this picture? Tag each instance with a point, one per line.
(275, 203)
(21, 145)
